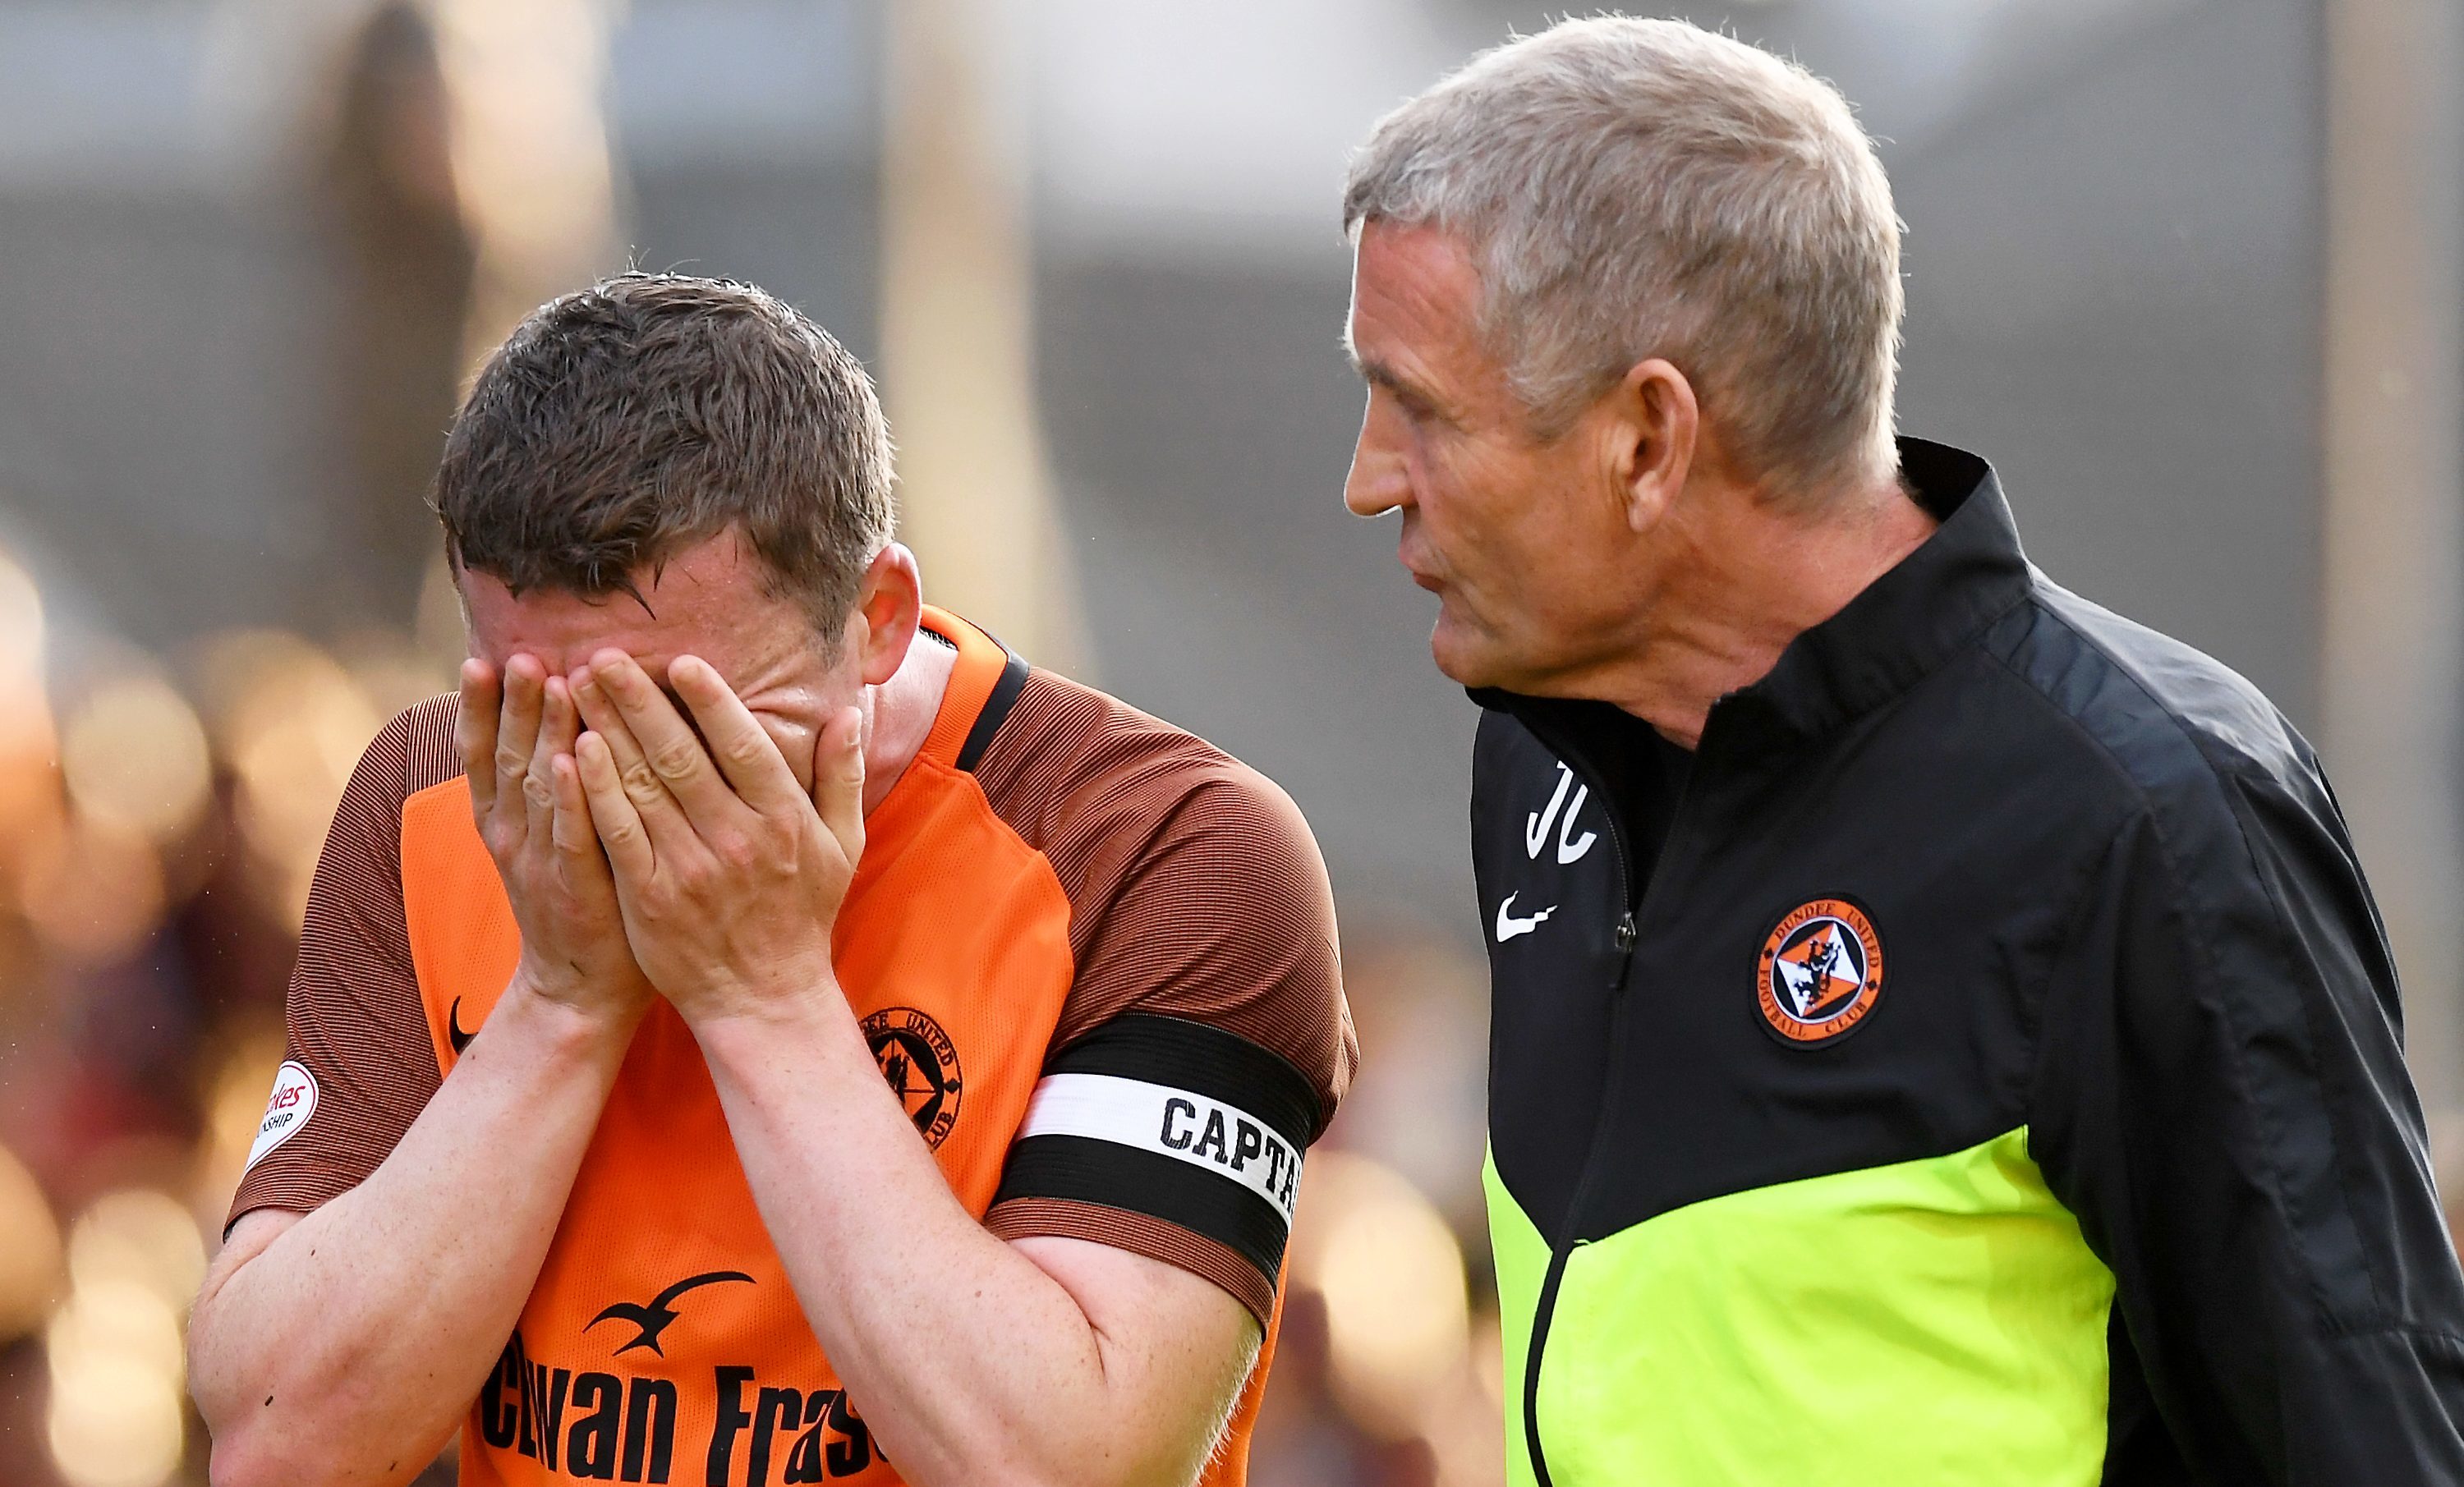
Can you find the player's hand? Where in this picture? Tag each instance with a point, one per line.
(517, 733)
(729, 874)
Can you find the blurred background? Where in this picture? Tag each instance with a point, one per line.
(2187, 270)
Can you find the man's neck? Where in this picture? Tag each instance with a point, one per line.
(901, 714)
(1743, 578)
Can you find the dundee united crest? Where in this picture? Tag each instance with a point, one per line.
(1820, 972)
(921, 1064)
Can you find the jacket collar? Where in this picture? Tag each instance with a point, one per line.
(1904, 626)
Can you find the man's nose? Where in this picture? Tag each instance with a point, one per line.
(1379, 480)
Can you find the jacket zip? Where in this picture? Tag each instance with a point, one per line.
(1629, 936)
(1563, 1249)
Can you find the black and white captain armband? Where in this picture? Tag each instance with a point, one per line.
(1174, 1119)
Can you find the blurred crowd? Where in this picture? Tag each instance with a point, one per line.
(160, 817)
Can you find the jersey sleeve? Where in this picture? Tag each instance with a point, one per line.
(358, 1064)
(2226, 1109)
(1204, 1043)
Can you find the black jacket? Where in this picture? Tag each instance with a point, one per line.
(1977, 862)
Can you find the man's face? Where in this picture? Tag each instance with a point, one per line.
(709, 601)
(1517, 536)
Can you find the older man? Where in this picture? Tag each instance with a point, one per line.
(1941, 1031)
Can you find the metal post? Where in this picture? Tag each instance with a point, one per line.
(957, 330)
(2393, 615)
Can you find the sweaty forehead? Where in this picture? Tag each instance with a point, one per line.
(710, 600)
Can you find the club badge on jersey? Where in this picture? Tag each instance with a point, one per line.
(1820, 972)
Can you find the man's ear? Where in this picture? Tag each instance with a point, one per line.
(890, 606)
(1651, 426)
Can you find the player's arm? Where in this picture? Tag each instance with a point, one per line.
(1049, 1360)
(342, 1346)
(1046, 1360)
(2223, 1102)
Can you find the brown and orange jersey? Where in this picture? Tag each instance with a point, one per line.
(1095, 955)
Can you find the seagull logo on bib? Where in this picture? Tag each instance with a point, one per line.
(1820, 972)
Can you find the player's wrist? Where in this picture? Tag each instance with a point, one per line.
(774, 988)
(789, 1009)
(568, 1014)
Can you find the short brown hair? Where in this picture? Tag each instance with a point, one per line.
(652, 411)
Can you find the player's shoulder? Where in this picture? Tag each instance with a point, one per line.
(413, 753)
(1078, 772)
(1199, 905)
(419, 742)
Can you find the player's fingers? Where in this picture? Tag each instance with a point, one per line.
(744, 754)
(612, 818)
(556, 732)
(518, 725)
(838, 780)
(660, 817)
(560, 722)
(474, 732)
(599, 713)
(579, 858)
(674, 750)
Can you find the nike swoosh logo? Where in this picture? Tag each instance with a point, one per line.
(453, 1033)
(1509, 926)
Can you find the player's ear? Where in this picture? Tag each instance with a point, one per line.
(890, 606)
